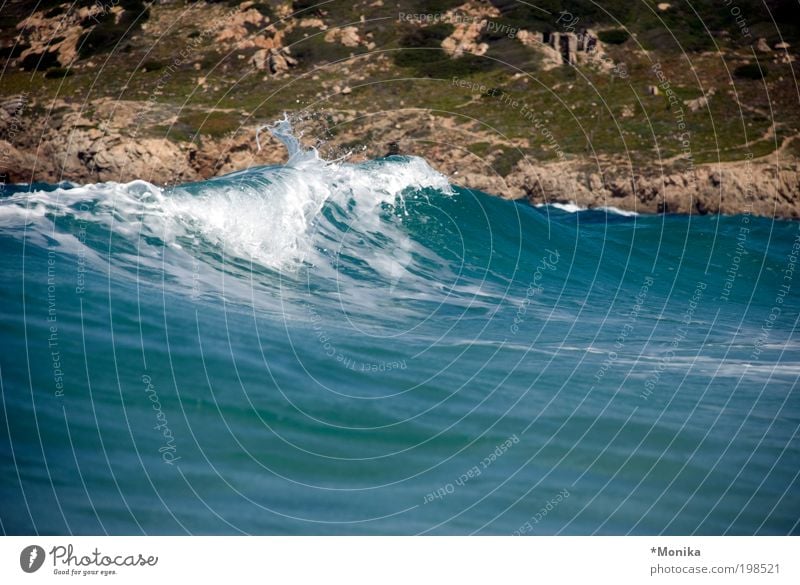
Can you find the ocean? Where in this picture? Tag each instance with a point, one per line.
(324, 347)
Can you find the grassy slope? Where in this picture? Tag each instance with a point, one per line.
(582, 107)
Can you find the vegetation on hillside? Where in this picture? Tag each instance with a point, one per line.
(400, 63)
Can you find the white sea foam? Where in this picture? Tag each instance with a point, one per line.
(575, 208)
(266, 215)
(617, 211)
(568, 207)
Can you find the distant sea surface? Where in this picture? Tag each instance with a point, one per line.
(335, 348)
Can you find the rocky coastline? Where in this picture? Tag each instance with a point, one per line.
(66, 146)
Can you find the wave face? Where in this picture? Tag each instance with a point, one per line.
(333, 348)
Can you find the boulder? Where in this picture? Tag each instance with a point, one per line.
(275, 61)
(347, 36)
(761, 45)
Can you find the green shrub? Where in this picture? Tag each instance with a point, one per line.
(55, 11)
(505, 161)
(433, 6)
(479, 148)
(57, 73)
(751, 71)
(152, 65)
(514, 53)
(429, 36)
(38, 62)
(230, 3)
(265, 10)
(422, 48)
(12, 51)
(418, 58)
(299, 5)
(616, 36)
(314, 49)
(429, 62)
(526, 14)
(215, 124)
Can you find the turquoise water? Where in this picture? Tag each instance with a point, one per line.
(328, 348)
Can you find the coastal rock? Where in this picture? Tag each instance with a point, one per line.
(761, 45)
(279, 61)
(275, 61)
(53, 39)
(114, 144)
(237, 27)
(12, 110)
(760, 188)
(347, 36)
(464, 39)
(469, 21)
(312, 23)
(16, 164)
(698, 104)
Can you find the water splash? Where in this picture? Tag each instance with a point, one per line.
(271, 216)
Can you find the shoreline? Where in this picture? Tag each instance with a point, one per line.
(767, 187)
